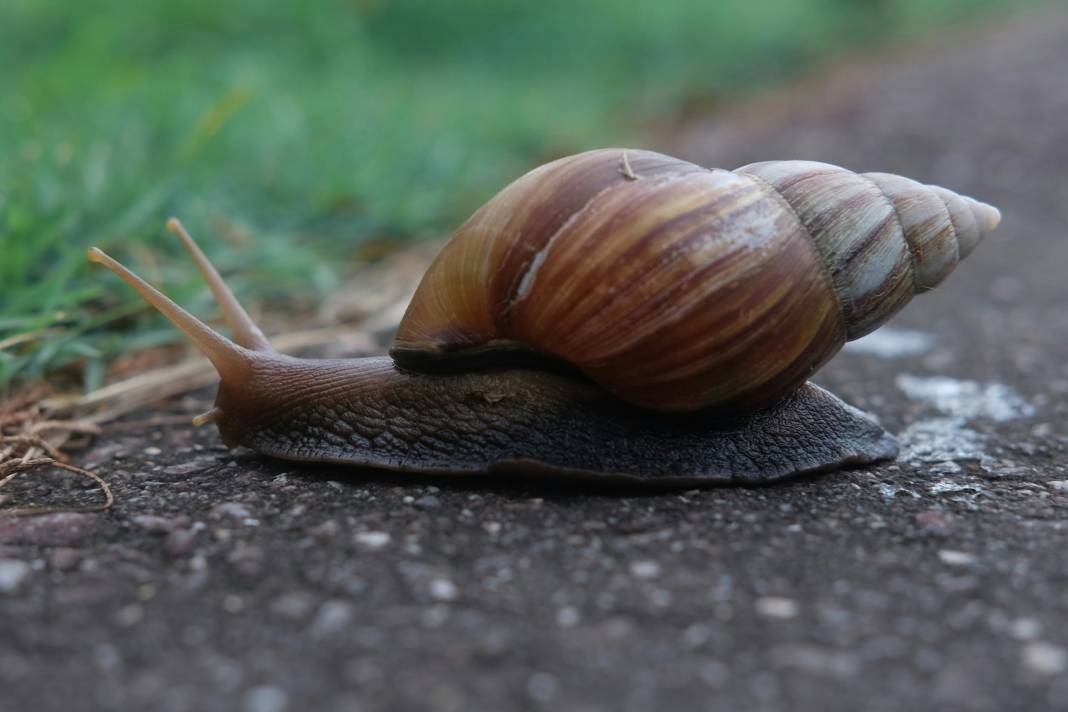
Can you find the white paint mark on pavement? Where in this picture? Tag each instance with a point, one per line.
(948, 438)
(889, 343)
(966, 399)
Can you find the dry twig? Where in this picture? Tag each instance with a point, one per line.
(36, 424)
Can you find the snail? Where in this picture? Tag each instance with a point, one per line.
(614, 314)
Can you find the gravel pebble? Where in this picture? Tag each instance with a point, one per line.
(1045, 659)
(427, 502)
(443, 590)
(776, 607)
(12, 573)
(372, 540)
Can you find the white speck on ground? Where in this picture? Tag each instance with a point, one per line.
(889, 342)
(776, 607)
(1045, 659)
(957, 558)
(12, 573)
(443, 590)
(332, 618)
(1025, 629)
(542, 687)
(947, 486)
(567, 617)
(645, 569)
(890, 491)
(372, 540)
(816, 660)
(265, 699)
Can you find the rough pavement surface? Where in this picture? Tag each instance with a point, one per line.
(223, 581)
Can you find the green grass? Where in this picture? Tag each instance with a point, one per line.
(305, 132)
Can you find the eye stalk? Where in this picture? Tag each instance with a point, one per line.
(232, 360)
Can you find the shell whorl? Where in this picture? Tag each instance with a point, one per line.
(883, 237)
(679, 287)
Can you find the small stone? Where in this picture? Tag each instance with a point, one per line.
(155, 524)
(815, 660)
(372, 540)
(184, 469)
(12, 573)
(442, 589)
(1058, 485)
(542, 687)
(957, 558)
(645, 569)
(946, 467)
(64, 558)
(62, 529)
(327, 530)
(232, 510)
(568, 617)
(153, 451)
(265, 698)
(247, 559)
(427, 502)
(776, 607)
(935, 521)
(180, 542)
(1025, 629)
(1045, 659)
(332, 618)
(130, 615)
(294, 605)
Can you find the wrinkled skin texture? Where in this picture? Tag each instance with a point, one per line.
(367, 412)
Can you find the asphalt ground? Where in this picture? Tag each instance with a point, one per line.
(225, 581)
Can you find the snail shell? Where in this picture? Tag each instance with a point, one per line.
(678, 287)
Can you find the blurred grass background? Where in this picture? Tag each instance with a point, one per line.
(298, 139)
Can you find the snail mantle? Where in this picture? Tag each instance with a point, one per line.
(613, 315)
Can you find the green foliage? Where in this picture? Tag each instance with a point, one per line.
(315, 126)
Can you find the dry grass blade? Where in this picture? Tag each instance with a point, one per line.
(35, 425)
(29, 440)
(117, 399)
(12, 469)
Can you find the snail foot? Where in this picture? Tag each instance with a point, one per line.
(809, 431)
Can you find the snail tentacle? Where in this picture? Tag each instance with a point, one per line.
(244, 330)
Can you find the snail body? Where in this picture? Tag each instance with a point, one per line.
(614, 313)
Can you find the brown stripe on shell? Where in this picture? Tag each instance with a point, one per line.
(465, 293)
(602, 282)
(548, 204)
(674, 293)
(763, 303)
(927, 225)
(779, 324)
(855, 228)
(965, 222)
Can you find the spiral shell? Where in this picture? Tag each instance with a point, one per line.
(678, 287)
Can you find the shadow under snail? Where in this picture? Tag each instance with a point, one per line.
(615, 314)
